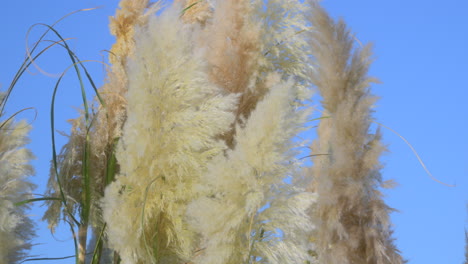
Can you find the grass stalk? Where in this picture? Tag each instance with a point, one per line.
(99, 246)
(82, 237)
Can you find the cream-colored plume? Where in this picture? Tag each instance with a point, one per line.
(16, 229)
(175, 115)
(248, 214)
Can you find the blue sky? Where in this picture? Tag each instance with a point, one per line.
(421, 57)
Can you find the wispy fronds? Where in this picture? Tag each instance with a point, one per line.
(285, 46)
(239, 186)
(353, 220)
(243, 38)
(69, 161)
(233, 40)
(174, 117)
(16, 229)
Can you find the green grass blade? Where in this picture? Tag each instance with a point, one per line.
(75, 242)
(86, 206)
(111, 164)
(88, 75)
(75, 65)
(188, 7)
(24, 66)
(98, 248)
(40, 259)
(54, 150)
(318, 118)
(30, 52)
(37, 200)
(15, 114)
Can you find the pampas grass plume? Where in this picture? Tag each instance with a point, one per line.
(16, 229)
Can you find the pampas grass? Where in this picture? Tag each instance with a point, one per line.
(245, 212)
(190, 151)
(353, 220)
(16, 229)
(174, 117)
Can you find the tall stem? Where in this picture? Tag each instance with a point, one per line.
(82, 237)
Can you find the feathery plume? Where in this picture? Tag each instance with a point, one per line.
(16, 229)
(130, 15)
(249, 39)
(69, 167)
(233, 38)
(248, 213)
(174, 117)
(353, 220)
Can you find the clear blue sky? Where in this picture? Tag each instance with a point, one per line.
(421, 51)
